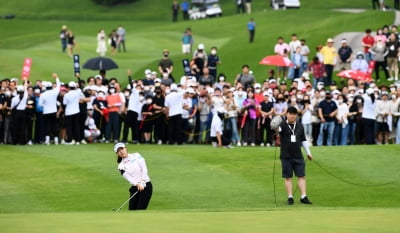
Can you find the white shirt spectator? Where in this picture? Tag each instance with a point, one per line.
(134, 101)
(186, 113)
(173, 101)
(369, 108)
(71, 101)
(48, 99)
(343, 111)
(217, 104)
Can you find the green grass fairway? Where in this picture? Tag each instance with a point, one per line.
(277, 221)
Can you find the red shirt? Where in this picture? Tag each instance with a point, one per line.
(368, 40)
(317, 69)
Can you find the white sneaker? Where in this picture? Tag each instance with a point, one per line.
(63, 142)
(390, 79)
(252, 144)
(159, 142)
(30, 143)
(268, 145)
(244, 143)
(47, 143)
(214, 144)
(83, 141)
(396, 78)
(262, 144)
(238, 144)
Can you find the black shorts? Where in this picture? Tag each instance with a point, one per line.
(298, 166)
(383, 127)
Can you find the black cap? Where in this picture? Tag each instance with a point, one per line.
(333, 83)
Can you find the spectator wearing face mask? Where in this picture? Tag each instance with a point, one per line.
(147, 123)
(114, 104)
(212, 62)
(18, 106)
(369, 116)
(379, 52)
(166, 65)
(327, 110)
(360, 63)
(199, 58)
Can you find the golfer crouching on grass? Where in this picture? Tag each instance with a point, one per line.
(292, 138)
(133, 168)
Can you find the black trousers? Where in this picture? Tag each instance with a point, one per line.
(19, 127)
(175, 129)
(141, 200)
(265, 127)
(72, 126)
(369, 130)
(132, 123)
(251, 35)
(381, 64)
(51, 125)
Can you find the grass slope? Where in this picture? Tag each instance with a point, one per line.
(38, 38)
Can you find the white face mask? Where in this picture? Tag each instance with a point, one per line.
(322, 94)
(213, 52)
(257, 90)
(126, 94)
(7, 93)
(149, 101)
(293, 99)
(240, 93)
(37, 91)
(165, 75)
(148, 76)
(392, 89)
(100, 95)
(340, 101)
(351, 99)
(393, 97)
(141, 98)
(112, 91)
(222, 78)
(167, 91)
(359, 101)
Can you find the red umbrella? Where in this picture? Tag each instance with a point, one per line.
(276, 60)
(353, 74)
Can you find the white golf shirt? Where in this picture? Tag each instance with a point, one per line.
(71, 101)
(48, 100)
(173, 101)
(135, 169)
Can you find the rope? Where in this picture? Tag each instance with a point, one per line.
(350, 182)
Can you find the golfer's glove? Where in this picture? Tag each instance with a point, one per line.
(143, 184)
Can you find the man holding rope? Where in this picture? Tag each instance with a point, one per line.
(292, 138)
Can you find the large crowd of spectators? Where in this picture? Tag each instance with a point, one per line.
(159, 108)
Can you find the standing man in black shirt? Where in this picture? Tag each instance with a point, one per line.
(292, 138)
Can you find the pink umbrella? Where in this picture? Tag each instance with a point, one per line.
(276, 60)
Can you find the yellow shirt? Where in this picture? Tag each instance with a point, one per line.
(329, 55)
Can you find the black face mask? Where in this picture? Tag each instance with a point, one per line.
(158, 92)
(328, 97)
(306, 101)
(281, 99)
(165, 55)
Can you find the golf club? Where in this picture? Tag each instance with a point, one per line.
(125, 202)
